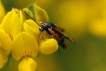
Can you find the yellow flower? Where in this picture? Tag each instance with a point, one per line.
(2, 11)
(9, 28)
(24, 44)
(21, 35)
(5, 47)
(12, 23)
(27, 64)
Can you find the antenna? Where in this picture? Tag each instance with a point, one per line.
(31, 17)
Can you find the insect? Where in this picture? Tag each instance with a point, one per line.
(54, 30)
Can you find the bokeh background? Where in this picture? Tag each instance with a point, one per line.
(84, 21)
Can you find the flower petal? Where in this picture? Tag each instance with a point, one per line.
(3, 58)
(15, 24)
(40, 14)
(24, 44)
(27, 64)
(22, 18)
(5, 41)
(2, 11)
(31, 27)
(48, 46)
(5, 25)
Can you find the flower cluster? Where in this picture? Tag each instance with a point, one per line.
(20, 36)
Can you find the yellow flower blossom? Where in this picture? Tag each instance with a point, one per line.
(12, 24)
(21, 35)
(24, 44)
(27, 64)
(2, 11)
(5, 40)
(5, 47)
(9, 28)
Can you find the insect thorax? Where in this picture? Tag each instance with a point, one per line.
(47, 25)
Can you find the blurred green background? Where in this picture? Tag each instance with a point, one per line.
(84, 21)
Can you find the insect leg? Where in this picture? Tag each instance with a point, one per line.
(39, 42)
(58, 39)
(39, 38)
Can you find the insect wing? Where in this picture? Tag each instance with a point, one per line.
(60, 32)
(59, 28)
